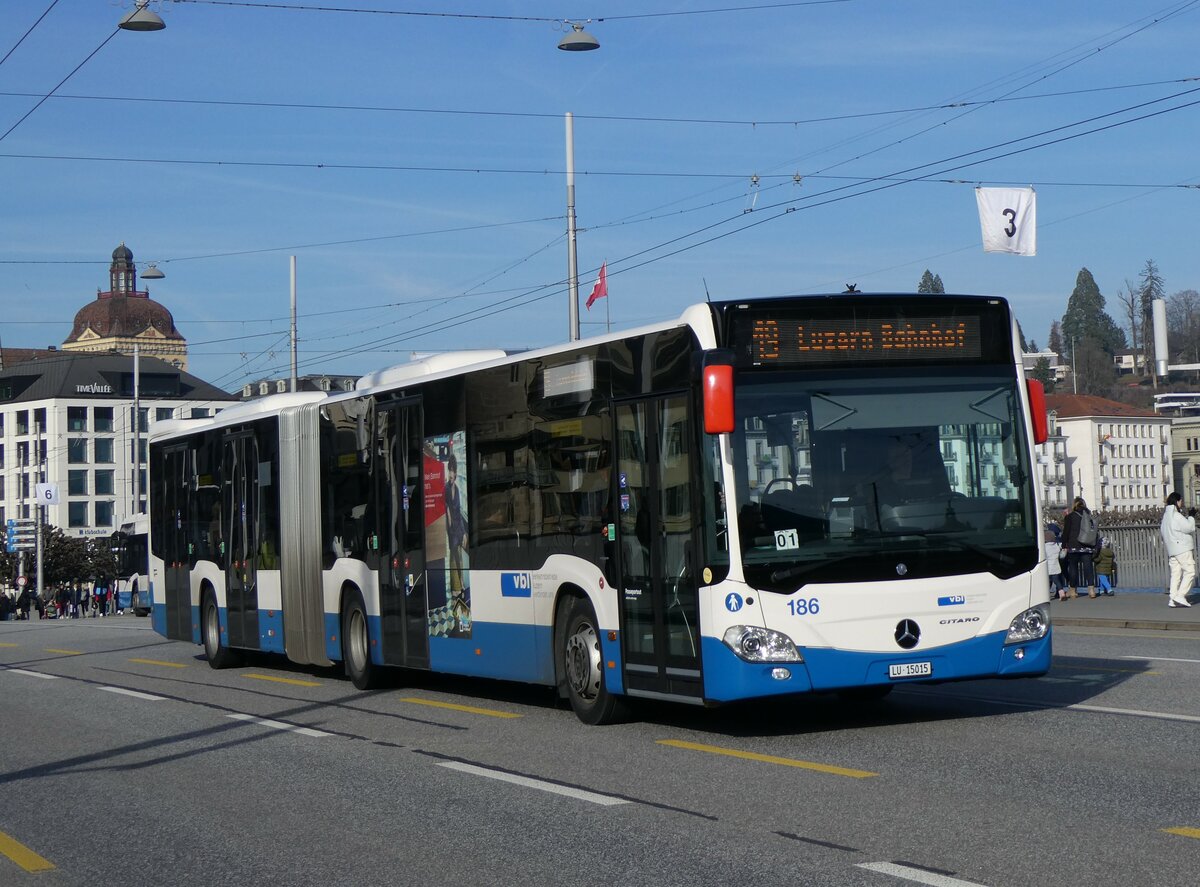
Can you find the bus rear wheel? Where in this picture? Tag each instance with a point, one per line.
(218, 655)
(582, 664)
(356, 646)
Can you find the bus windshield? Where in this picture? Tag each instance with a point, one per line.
(851, 477)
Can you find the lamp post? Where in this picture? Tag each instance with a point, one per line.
(572, 256)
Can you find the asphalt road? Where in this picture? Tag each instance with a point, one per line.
(125, 760)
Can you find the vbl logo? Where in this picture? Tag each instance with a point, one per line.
(516, 585)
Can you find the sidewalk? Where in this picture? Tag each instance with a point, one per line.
(1128, 608)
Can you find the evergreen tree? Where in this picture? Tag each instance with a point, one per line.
(1021, 334)
(1086, 318)
(1055, 342)
(926, 284)
(1150, 287)
(1043, 373)
(938, 287)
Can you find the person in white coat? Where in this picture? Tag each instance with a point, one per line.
(1179, 536)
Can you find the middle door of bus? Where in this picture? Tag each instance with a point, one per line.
(657, 593)
(241, 529)
(400, 555)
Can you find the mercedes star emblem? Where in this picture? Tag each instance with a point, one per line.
(907, 634)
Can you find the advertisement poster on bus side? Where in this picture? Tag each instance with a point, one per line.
(447, 530)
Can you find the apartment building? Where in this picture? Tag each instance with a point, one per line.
(1116, 456)
(67, 419)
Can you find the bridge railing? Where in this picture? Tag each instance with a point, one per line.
(1140, 555)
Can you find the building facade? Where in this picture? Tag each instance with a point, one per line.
(1115, 456)
(68, 420)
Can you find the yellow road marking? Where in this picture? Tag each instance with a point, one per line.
(768, 759)
(1098, 668)
(296, 682)
(65, 652)
(491, 713)
(160, 662)
(10, 645)
(1186, 832)
(23, 856)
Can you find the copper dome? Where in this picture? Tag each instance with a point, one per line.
(123, 316)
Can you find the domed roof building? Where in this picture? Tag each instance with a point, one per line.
(124, 316)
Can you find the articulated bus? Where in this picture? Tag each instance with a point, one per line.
(132, 583)
(762, 498)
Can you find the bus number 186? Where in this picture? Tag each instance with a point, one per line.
(804, 606)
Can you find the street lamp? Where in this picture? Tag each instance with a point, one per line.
(152, 272)
(141, 19)
(577, 39)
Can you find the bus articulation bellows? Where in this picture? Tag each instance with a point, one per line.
(764, 497)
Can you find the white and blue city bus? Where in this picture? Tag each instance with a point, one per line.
(132, 582)
(762, 498)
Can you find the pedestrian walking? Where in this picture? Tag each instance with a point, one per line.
(1179, 537)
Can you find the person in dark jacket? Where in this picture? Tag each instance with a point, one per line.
(1079, 554)
(1105, 568)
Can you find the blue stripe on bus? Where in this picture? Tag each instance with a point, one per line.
(270, 631)
(497, 650)
(726, 677)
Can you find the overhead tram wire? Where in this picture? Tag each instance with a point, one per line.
(43, 99)
(609, 118)
(30, 31)
(300, 7)
(787, 208)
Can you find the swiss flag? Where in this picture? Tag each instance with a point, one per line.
(600, 290)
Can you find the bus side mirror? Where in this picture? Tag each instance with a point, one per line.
(1037, 410)
(717, 385)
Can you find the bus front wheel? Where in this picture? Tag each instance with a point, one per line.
(582, 663)
(356, 646)
(218, 655)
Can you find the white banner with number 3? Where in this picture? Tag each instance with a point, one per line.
(1008, 219)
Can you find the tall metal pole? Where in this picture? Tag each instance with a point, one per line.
(137, 432)
(37, 509)
(293, 333)
(572, 258)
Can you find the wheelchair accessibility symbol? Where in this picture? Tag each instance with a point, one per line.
(733, 602)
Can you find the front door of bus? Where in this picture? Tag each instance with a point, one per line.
(657, 594)
(400, 534)
(241, 529)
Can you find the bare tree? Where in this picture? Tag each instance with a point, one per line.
(1183, 325)
(1130, 301)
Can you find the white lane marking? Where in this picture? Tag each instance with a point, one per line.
(1133, 712)
(1049, 706)
(578, 793)
(1162, 659)
(31, 674)
(134, 693)
(921, 876)
(278, 725)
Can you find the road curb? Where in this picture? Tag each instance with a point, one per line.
(1151, 624)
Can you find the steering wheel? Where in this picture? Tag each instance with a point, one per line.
(777, 480)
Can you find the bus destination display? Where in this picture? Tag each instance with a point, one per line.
(792, 340)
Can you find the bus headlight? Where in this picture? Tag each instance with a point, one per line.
(1029, 626)
(756, 644)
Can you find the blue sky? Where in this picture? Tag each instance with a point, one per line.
(402, 245)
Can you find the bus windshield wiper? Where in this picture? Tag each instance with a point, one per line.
(800, 569)
(959, 543)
